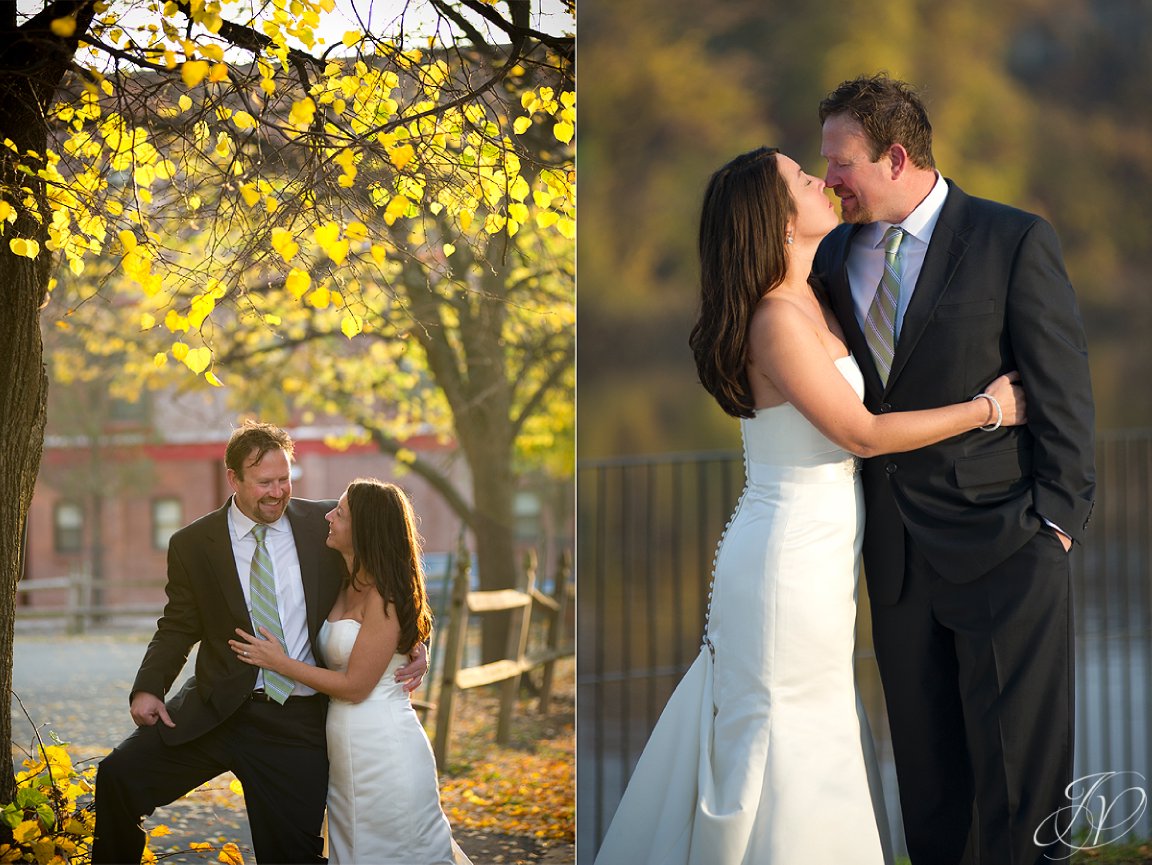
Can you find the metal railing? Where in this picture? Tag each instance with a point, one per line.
(647, 531)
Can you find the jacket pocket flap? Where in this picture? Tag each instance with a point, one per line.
(963, 310)
(995, 468)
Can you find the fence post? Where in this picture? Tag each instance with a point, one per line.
(517, 647)
(453, 650)
(79, 599)
(556, 626)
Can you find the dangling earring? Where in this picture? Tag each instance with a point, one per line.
(788, 238)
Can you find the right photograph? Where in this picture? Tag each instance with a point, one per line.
(864, 435)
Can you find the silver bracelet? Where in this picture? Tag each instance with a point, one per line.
(999, 411)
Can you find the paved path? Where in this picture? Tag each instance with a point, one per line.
(78, 688)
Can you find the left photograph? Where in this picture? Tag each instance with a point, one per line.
(288, 388)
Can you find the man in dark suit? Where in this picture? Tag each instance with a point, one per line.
(223, 718)
(966, 543)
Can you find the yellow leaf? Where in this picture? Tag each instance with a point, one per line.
(401, 155)
(284, 243)
(564, 132)
(161, 830)
(519, 189)
(337, 251)
(521, 125)
(26, 831)
(200, 845)
(219, 73)
(174, 321)
(250, 194)
(230, 855)
(179, 351)
(351, 325)
(405, 456)
(356, 230)
(320, 298)
(7, 212)
(193, 72)
(236, 787)
(518, 211)
(198, 359)
(159, 359)
(127, 240)
(243, 120)
(272, 321)
(23, 247)
(326, 234)
(352, 37)
(64, 27)
(466, 217)
(297, 282)
(210, 377)
(302, 112)
(147, 321)
(396, 208)
(379, 253)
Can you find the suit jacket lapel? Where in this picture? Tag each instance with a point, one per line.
(222, 562)
(945, 252)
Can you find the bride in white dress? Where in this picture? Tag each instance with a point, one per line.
(383, 797)
(763, 753)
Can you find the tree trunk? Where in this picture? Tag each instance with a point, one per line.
(33, 62)
(493, 493)
(23, 395)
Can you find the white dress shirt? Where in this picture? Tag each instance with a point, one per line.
(289, 587)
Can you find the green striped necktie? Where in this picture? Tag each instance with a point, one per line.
(262, 585)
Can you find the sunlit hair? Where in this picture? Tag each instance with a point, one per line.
(745, 215)
(386, 550)
(254, 436)
(889, 111)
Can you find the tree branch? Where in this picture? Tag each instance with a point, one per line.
(559, 367)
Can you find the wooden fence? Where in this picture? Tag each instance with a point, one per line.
(525, 602)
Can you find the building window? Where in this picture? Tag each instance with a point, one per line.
(528, 510)
(68, 527)
(167, 517)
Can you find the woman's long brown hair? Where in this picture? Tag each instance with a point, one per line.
(742, 224)
(386, 549)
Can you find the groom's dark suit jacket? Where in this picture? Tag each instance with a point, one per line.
(206, 605)
(992, 297)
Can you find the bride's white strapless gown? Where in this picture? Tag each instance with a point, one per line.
(763, 754)
(383, 797)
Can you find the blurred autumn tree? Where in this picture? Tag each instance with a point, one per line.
(1038, 105)
(201, 167)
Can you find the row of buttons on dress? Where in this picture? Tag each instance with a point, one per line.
(706, 641)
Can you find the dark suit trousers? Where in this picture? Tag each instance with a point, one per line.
(277, 752)
(978, 680)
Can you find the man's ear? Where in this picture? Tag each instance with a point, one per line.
(898, 160)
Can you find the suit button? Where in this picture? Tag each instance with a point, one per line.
(885, 407)
(890, 468)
